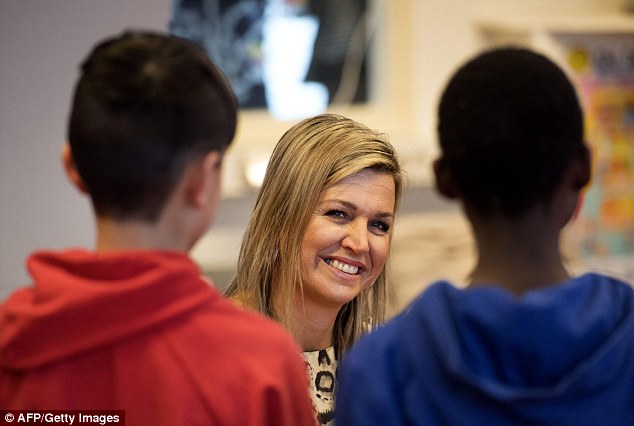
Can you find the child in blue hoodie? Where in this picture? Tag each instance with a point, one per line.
(525, 343)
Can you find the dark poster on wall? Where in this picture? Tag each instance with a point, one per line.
(294, 57)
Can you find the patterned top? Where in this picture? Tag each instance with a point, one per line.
(321, 367)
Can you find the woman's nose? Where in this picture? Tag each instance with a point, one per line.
(356, 237)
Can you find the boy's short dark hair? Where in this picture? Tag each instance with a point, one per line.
(510, 124)
(145, 106)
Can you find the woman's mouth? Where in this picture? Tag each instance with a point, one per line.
(342, 266)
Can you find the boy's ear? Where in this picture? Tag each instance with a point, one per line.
(71, 169)
(583, 170)
(445, 184)
(202, 176)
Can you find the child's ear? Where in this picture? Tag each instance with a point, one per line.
(71, 169)
(583, 169)
(445, 184)
(203, 177)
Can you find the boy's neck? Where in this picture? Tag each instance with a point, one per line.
(114, 235)
(518, 254)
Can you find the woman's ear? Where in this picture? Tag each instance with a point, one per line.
(445, 183)
(71, 169)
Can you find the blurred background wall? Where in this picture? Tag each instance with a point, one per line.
(417, 45)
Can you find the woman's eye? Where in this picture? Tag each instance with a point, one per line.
(382, 227)
(336, 214)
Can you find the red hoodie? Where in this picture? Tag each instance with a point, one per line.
(143, 332)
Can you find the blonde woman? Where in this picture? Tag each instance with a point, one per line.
(314, 253)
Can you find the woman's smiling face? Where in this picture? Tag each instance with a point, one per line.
(347, 240)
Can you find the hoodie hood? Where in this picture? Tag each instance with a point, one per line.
(573, 337)
(79, 302)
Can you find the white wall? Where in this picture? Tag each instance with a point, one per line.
(443, 36)
(42, 42)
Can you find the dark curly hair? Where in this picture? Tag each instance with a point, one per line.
(509, 125)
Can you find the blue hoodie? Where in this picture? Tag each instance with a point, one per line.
(559, 356)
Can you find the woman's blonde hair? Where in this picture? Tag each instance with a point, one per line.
(311, 156)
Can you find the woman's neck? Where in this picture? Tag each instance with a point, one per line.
(312, 326)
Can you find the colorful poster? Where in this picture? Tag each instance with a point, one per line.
(603, 68)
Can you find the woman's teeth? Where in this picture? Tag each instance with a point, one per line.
(348, 269)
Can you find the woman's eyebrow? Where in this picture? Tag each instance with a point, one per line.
(344, 203)
(385, 214)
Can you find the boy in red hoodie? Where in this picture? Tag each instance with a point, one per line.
(132, 325)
